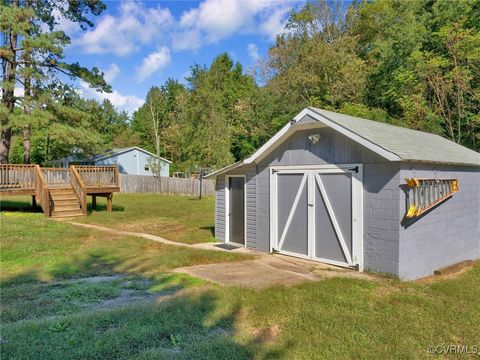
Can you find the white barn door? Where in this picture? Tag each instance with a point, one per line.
(316, 213)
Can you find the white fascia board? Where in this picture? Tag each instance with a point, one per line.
(290, 127)
(269, 144)
(224, 169)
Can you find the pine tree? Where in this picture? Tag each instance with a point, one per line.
(32, 55)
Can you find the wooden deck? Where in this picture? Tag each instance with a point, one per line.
(61, 192)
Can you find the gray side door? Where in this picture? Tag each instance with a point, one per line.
(236, 211)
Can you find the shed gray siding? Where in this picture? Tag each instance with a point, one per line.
(250, 205)
(381, 227)
(220, 208)
(449, 233)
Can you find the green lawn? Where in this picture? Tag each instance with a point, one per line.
(178, 218)
(49, 313)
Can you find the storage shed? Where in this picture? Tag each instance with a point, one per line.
(354, 192)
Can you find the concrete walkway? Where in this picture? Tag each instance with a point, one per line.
(266, 270)
(263, 272)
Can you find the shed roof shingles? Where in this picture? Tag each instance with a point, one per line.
(408, 144)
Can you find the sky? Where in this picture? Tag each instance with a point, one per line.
(138, 44)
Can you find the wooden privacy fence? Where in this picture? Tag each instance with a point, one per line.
(165, 185)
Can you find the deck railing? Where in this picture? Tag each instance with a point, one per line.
(17, 176)
(79, 187)
(42, 193)
(56, 176)
(99, 176)
(19, 179)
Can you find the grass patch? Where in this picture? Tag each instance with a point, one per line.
(49, 311)
(178, 218)
(333, 319)
(34, 249)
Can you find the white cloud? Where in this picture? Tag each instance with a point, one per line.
(252, 51)
(153, 63)
(275, 22)
(214, 20)
(111, 73)
(129, 103)
(136, 26)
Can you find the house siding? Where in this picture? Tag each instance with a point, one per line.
(449, 233)
(133, 162)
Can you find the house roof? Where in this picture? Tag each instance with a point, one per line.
(393, 143)
(124, 150)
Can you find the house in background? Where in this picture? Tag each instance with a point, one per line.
(132, 160)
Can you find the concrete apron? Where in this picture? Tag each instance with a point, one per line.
(268, 270)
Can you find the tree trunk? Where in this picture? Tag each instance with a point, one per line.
(5, 144)
(27, 128)
(8, 95)
(159, 164)
(47, 145)
(26, 144)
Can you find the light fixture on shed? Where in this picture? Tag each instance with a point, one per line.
(314, 138)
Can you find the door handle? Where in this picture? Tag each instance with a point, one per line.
(310, 205)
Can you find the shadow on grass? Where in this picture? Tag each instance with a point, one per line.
(102, 207)
(195, 324)
(19, 206)
(209, 228)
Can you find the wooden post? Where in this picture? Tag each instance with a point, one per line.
(34, 200)
(94, 202)
(109, 202)
(201, 183)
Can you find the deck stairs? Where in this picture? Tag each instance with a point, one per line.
(65, 202)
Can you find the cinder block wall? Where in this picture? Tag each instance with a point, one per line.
(381, 217)
(449, 233)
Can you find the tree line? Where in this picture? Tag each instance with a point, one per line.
(413, 64)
